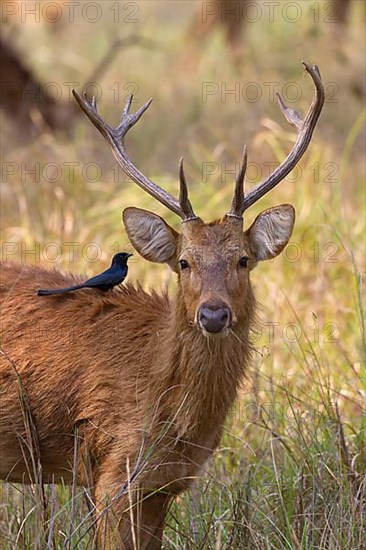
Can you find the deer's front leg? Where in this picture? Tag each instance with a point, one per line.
(131, 521)
(148, 522)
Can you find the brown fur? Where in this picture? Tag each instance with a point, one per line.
(146, 388)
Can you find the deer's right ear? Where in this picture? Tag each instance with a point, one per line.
(153, 239)
(271, 231)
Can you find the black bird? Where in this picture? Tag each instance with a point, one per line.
(113, 276)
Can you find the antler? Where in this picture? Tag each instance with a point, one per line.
(115, 137)
(183, 195)
(238, 198)
(305, 131)
(240, 202)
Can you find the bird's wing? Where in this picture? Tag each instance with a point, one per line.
(106, 278)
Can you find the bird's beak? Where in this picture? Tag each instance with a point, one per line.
(129, 255)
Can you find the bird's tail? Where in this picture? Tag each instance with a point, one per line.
(42, 292)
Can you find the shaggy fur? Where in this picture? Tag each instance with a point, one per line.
(146, 389)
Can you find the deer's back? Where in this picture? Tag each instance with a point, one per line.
(83, 359)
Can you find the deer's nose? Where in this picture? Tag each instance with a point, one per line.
(214, 319)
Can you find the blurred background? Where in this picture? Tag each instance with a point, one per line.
(213, 70)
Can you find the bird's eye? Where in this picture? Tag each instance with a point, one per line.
(243, 262)
(183, 264)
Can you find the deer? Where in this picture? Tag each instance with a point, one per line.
(145, 379)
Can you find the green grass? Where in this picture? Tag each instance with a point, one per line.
(290, 472)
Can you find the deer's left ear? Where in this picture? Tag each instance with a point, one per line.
(271, 231)
(151, 236)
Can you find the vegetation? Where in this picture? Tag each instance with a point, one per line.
(290, 472)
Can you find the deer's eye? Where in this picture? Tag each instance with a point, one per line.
(183, 264)
(243, 262)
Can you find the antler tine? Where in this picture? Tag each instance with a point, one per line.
(183, 195)
(305, 131)
(115, 138)
(237, 204)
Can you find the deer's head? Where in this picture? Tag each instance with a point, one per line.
(212, 260)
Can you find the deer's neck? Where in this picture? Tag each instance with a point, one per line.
(199, 375)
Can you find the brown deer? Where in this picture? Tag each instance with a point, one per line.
(145, 380)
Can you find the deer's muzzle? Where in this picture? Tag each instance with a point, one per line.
(214, 318)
